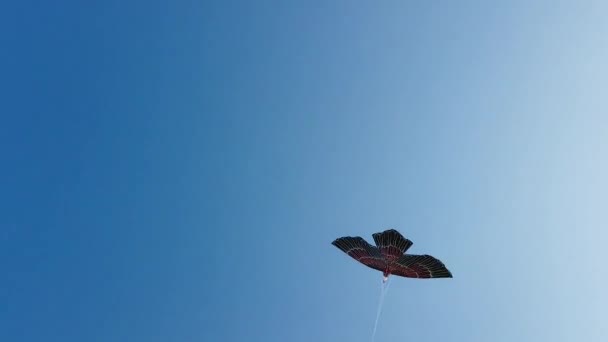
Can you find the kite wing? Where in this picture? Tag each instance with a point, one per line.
(419, 266)
(361, 251)
(392, 244)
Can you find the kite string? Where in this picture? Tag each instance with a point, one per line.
(383, 290)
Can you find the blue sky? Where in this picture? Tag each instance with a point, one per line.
(176, 171)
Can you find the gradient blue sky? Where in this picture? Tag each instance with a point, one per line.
(176, 171)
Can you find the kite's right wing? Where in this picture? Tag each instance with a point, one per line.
(420, 266)
(361, 251)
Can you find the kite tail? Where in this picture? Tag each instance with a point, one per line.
(383, 290)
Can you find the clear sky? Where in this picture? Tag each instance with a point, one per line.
(176, 171)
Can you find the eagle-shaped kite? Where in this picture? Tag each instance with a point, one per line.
(388, 256)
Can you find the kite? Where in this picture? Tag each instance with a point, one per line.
(388, 256)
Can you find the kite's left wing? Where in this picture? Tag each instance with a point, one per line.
(419, 266)
(361, 251)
